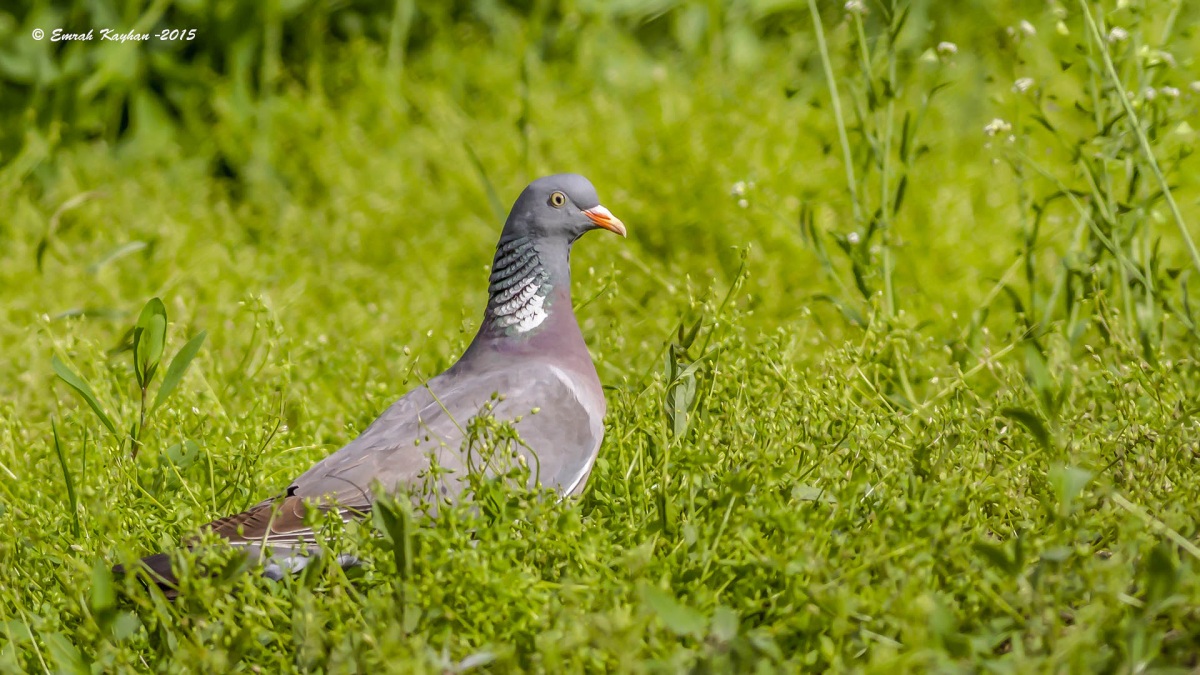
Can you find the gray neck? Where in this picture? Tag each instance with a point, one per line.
(524, 275)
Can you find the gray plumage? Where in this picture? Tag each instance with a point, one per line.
(529, 351)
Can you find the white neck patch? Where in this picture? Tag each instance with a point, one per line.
(525, 309)
(519, 287)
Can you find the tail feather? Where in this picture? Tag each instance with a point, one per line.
(160, 572)
(277, 522)
(282, 562)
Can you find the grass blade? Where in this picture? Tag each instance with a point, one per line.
(1140, 134)
(493, 197)
(178, 367)
(85, 390)
(1031, 421)
(62, 460)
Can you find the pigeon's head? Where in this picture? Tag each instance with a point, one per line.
(563, 206)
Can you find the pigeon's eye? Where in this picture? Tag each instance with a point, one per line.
(557, 200)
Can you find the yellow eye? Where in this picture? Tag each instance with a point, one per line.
(557, 200)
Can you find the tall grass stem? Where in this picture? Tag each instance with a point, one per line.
(1143, 141)
(835, 99)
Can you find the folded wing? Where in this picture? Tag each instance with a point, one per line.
(560, 431)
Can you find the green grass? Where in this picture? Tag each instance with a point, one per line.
(950, 425)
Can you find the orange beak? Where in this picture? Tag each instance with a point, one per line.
(602, 217)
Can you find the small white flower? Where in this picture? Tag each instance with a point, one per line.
(856, 7)
(743, 203)
(1027, 28)
(852, 238)
(739, 188)
(1156, 57)
(1195, 86)
(947, 48)
(997, 126)
(1149, 94)
(1170, 92)
(1023, 85)
(1117, 34)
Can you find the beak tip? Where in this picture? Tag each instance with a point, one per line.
(604, 218)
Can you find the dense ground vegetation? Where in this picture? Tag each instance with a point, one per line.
(900, 354)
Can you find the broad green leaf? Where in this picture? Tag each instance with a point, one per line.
(1056, 554)
(78, 384)
(1038, 374)
(668, 512)
(724, 624)
(65, 654)
(183, 455)
(808, 493)
(997, 556)
(125, 625)
(149, 338)
(677, 617)
(393, 519)
(236, 564)
(687, 338)
(135, 434)
(1160, 575)
(17, 631)
(104, 595)
(679, 403)
(1068, 482)
(1031, 421)
(178, 367)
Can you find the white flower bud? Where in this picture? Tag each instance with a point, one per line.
(997, 126)
(856, 7)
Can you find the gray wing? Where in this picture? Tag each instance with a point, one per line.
(558, 423)
(559, 441)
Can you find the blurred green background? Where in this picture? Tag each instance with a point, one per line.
(942, 412)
